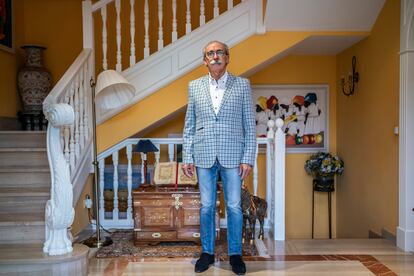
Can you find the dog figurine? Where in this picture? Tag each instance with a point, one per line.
(253, 208)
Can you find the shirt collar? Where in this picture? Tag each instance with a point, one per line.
(221, 81)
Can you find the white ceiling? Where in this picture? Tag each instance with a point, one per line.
(322, 15)
(325, 45)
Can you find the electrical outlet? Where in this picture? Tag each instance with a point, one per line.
(88, 202)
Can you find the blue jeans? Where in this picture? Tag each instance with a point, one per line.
(207, 179)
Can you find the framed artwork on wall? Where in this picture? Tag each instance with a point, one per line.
(304, 110)
(6, 25)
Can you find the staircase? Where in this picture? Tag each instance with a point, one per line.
(24, 186)
(24, 191)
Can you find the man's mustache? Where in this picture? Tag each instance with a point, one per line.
(215, 62)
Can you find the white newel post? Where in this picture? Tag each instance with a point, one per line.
(59, 212)
(405, 229)
(279, 184)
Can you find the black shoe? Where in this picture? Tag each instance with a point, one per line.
(237, 265)
(204, 262)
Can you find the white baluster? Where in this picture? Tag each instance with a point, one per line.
(174, 35)
(132, 59)
(115, 214)
(202, 12)
(216, 10)
(279, 192)
(160, 30)
(101, 166)
(77, 111)
(81, 108)
(171, 152)
(188, 18)
(143, 158)
(104, 39)
(229, 4)
(146, 24)
(129, 181)
(72, 134)
(86, 93)
(118, 36)
(157, 153)
(269, 165)
(255, 171)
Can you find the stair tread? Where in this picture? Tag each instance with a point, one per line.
(14, 219)
(32, 253)
(29, 191)
(23, 132)
(23, 149)
(24, 169)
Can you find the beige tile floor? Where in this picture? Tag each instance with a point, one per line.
(395, 261)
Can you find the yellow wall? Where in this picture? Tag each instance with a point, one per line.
(81, 213)
(368, 191)
(304, 70)
(57, 25)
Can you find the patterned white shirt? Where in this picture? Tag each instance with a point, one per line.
(217, 91)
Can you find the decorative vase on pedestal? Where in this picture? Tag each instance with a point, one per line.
(324, 183)
(33, 82)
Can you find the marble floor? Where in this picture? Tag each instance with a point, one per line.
(292, 257)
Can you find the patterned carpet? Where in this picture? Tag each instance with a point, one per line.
(123, 246)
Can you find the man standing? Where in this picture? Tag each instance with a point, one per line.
(219, 137)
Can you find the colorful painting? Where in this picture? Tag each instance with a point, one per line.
(6, 25)
(304, 110)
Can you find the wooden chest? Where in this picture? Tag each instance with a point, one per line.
(163, 213)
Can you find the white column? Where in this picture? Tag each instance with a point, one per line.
(174, 35)
(160, 30)
(405, 229)
(255, 171)
(146, 25)
(132, 59)
(269, 165)
(87, 24)
(129, 181)
(118, 36)
(115, 213)
(229, 4)
(188, 18)
(279, 191)
(104, 39)
(216, 10)
(202, 11)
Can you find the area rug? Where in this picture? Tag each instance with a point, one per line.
(123, 246)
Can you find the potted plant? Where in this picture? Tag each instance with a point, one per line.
(323, 166)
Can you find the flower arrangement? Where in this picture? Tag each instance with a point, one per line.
(322, 164)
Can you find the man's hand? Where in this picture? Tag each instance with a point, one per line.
(188, 170)
(244, 170)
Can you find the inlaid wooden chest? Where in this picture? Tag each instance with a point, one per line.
(163, 213)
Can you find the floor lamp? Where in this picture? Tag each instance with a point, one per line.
(110, 91)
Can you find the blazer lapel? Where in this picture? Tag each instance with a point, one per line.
(228, 91)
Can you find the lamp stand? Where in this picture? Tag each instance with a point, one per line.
(96, 242)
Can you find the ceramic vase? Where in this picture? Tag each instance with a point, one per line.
(33, 80)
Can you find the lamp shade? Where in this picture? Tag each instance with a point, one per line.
(113, 90)
(145, 146)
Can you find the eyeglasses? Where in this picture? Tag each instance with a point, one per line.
(219, 53)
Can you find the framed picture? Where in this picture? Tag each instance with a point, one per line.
(6, 25)
(304, 110)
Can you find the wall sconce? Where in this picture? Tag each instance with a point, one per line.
(348, 85)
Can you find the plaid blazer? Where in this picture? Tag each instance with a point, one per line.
(229, 136)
